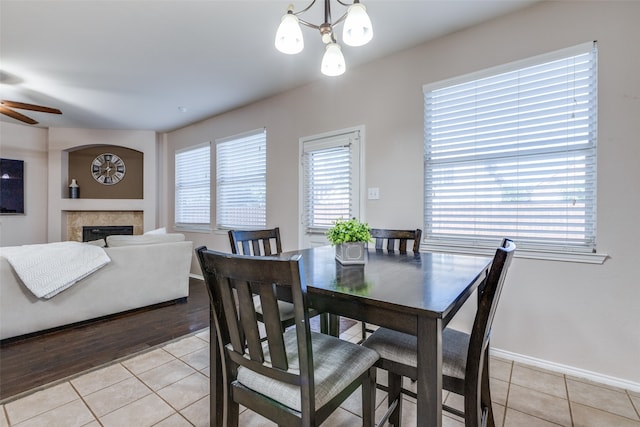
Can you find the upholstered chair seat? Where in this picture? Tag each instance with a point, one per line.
(403, 348)
(329, 353)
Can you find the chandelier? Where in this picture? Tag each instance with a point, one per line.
(356, 31)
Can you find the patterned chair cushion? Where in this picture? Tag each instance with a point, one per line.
(402, 348)
(336, 363)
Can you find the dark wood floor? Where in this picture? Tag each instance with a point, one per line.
(30, 362)
(41, 359)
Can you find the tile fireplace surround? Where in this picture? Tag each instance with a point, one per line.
(77, 219)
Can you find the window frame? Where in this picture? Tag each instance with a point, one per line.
(191, 226)
(355, 136)
(525, 249)
(252, 136)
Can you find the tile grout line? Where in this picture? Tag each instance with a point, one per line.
(196, 371)
(566, 389)
(506, 401)
(119, 361)
(6, 414)
(96, 368)
(86, 404)
(565, 380)
(601, 409)
(176, 411)
(633, 405)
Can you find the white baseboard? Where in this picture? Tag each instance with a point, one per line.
(196, 276)
(567, 370)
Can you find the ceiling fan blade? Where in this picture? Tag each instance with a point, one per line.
(32, 107)
(14, 114)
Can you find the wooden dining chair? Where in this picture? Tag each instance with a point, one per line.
(392, 240)
(396, 240)
(295, 377)
(256, 242)
(465, 357)
(264, 243)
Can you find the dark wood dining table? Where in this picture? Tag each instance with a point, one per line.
(413, 293)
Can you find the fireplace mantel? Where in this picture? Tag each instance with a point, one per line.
(102, 204)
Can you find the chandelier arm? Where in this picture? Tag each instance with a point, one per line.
(306, 8)
(327, 13)
(339, 20)
(308, 24)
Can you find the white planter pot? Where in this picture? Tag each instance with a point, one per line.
(350, 253)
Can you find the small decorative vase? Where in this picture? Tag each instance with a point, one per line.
(350, 253)
(74, 190)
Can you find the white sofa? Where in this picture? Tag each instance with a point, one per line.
(144, 270)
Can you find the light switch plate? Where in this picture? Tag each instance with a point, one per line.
(374, 193)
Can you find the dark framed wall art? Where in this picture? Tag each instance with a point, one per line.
(11, 187)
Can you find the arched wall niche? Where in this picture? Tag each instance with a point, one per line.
(131, 186)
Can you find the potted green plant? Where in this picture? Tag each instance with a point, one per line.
(349, 237)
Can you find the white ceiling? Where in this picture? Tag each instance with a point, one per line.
(116, 64)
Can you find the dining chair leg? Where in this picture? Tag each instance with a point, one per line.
(233, 412)
(363, 333)
(395, 393)
(369, 399)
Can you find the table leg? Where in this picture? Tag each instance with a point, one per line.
(216, 380)
(334, 325)
(429, 372)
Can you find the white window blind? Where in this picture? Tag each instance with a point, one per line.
(328, 175)
(193, 186)
(513, 154)
(241, 164)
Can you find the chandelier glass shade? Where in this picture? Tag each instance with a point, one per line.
(357, 31)
(333, 61)
(289, 36)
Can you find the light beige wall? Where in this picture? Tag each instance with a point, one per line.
(567, 314)
(29, 144)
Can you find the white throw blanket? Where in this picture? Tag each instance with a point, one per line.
(51, 268)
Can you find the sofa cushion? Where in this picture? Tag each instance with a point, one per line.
(99, 242)
(161, 230)
(144, 239)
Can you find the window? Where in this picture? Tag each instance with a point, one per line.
(330, 179)
(193, 187)
(242, 180)
(512, 153)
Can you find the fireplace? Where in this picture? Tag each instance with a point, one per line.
(77, 221)
(90, 233)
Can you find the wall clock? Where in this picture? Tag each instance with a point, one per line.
(107, 169)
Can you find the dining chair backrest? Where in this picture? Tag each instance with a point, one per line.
(255, 242)
(232, 281)
(265, 243)
(282, 364)
(477, 353)
(396, 240)
(392, 240)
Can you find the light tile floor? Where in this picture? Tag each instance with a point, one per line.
(168, 387)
